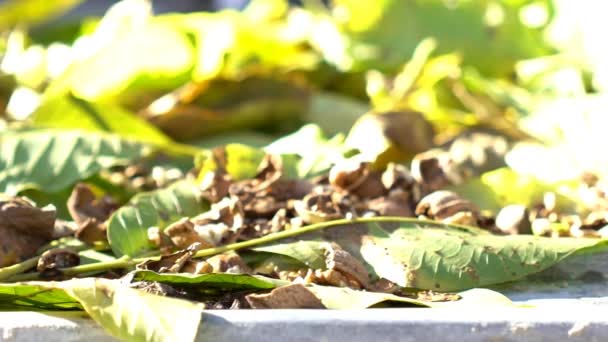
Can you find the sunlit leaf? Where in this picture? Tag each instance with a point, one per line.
(70, 112)
(220, 281)
(391, 29)
(150, 56)
(442, 257)
(35, 297)
(335, 113)
(450, 260)
(52, 160)
(501, 187)
(134, 315)
(128, 226)
(394, 136)
(317, 153)
(241, 161)
(309, 253)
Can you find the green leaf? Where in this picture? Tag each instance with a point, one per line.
(222, 281)
(434, 256)
(335, 113)
(447, 259)
(242, 161)
(52, 160)
(35, 296)
(499, 188)
(318, 154)
(58, 199)
(128, 60)
(91, 256)
(309, 253)
(269, 263)
(133, 315)
(390, 30)
(128, 226)
(70, 112)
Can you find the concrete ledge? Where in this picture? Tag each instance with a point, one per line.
(556, 320)
(51, 327)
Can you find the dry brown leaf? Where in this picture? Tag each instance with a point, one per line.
(295, 296)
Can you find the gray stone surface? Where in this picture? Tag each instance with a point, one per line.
(566, 303)
(565, 320)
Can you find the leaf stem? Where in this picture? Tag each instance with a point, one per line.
(318, 226)
(124, 262)
(127, 262)
(9, 271)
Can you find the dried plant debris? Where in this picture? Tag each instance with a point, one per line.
(448, 207)
(172, 263)
(90, 213)
(53, 260)
(343, 270)
(295, 296)
(23, 229)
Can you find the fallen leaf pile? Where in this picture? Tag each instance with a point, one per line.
(333, 155)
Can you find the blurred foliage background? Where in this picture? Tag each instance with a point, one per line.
(534, 72)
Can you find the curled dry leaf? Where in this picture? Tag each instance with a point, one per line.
(172, 263)
(216, 233)
(429, 169)
(197, 267)
(397, 176)
(20, 215)
(228, 263)
(316, 208)
(343, 270)
(340, 260)
(228, 211)
(357, 178)
(23, 228)
(448, 207)
(183, 235)
(295, 296)
(396, 136)
(260, 227)
(90, 213)
(52, 260)
(159, 239)
(215, 185)
(397, 203)
(270, 170)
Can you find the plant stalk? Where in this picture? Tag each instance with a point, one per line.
(10, 271)
(127, 262)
